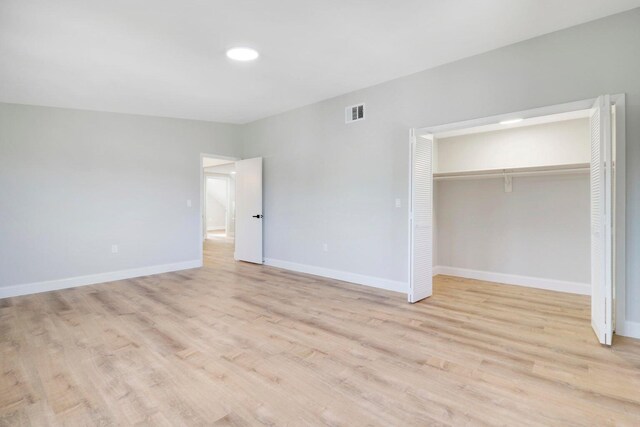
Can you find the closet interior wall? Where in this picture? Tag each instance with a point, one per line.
(539, 229)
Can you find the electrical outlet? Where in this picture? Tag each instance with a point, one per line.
(325, 247)
(189, 203)
(398, 203)
(114, 249)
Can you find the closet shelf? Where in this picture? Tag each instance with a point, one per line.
(525, 171)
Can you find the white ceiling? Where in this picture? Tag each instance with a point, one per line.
(167, 57)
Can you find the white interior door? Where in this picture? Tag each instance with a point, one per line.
(248, 238)
(601, 221)
(421, 218)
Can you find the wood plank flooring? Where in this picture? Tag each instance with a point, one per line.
(236, 344)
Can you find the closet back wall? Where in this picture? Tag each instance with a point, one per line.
(549, 144)
(539, 230)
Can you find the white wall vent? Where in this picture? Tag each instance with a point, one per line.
(354, 113)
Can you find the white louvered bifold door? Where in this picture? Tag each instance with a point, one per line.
(601, 221)
(421, 218)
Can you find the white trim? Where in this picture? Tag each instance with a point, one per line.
(92, 279)
(513, 279)
(412, 142)
(620, 212)
(374, 282)
(629, 329)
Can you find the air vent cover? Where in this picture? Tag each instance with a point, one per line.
(354, 113)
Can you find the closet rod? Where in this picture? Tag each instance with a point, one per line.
(506, 173)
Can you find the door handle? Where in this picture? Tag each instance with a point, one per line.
(257, 216)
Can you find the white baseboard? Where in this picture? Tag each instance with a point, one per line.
(92, 279)
(629, 329)
(375, 282)
(513, 279)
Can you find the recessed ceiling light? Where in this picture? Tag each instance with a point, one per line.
(242, 54)
(510, 121)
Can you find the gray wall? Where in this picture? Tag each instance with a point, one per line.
(330, 182)
(560, 143)
(72, 183)
(540, 229)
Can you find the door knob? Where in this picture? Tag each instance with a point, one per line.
(257, 216)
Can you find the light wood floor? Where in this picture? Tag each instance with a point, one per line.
(239, 344)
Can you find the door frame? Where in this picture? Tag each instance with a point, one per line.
(202, 221)
(619, 173)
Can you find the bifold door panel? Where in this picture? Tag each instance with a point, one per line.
(421, 218)
(601, 221)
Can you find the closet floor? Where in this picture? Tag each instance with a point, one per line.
(241, 344)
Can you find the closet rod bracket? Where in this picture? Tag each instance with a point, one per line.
(508, 183)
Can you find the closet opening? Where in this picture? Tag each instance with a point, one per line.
(533, 198)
